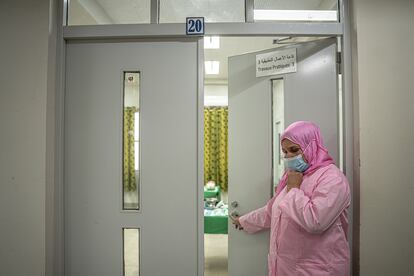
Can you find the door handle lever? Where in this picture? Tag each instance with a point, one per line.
(235, 214)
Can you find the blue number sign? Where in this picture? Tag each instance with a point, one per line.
(194, 26)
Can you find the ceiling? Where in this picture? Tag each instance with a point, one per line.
(233, 46)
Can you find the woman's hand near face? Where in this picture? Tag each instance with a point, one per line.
(294, 180)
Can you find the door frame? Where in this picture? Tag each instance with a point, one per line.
(61, 34)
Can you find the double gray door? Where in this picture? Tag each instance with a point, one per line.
(170, 175)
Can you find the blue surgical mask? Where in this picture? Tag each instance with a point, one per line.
(296, 163)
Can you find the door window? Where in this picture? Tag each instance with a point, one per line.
(130, 159)
(100, 12)
(131, 251)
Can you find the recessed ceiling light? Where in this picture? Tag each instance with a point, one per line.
(212, 67)
(211, 42)
(296, 15)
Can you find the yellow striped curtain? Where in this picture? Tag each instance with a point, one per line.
(129, 149)
(216, 145)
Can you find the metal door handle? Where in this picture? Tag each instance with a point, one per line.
(235, 214)
(234, 204)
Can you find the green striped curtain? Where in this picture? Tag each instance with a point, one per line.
(216, 145)
(129, 149)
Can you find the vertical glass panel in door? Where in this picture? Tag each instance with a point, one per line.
(296, 10)
(176, 11)
(278, 123)
(130, 158)
(131, 251)
(98, 12)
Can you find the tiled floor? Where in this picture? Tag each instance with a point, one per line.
(216, 254)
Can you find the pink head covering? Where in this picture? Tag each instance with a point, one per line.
(308, 136)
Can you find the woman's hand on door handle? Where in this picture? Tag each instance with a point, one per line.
(236, 222)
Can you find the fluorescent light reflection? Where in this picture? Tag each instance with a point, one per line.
(211, 42)
(212, 67)
(296, 15)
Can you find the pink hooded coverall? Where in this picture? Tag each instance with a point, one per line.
(308, 226)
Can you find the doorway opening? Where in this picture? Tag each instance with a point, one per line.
(217, 207)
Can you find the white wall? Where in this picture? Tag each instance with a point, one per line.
(385, 75)
(216, 95)
(23, 92)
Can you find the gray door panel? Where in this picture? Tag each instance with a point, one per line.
(309, 94)
(168, 162)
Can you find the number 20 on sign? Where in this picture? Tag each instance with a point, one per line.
(194, 26)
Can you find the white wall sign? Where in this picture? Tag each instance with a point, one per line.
(194, 26)
(274, 63)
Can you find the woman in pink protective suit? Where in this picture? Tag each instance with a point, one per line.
(307, 216)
